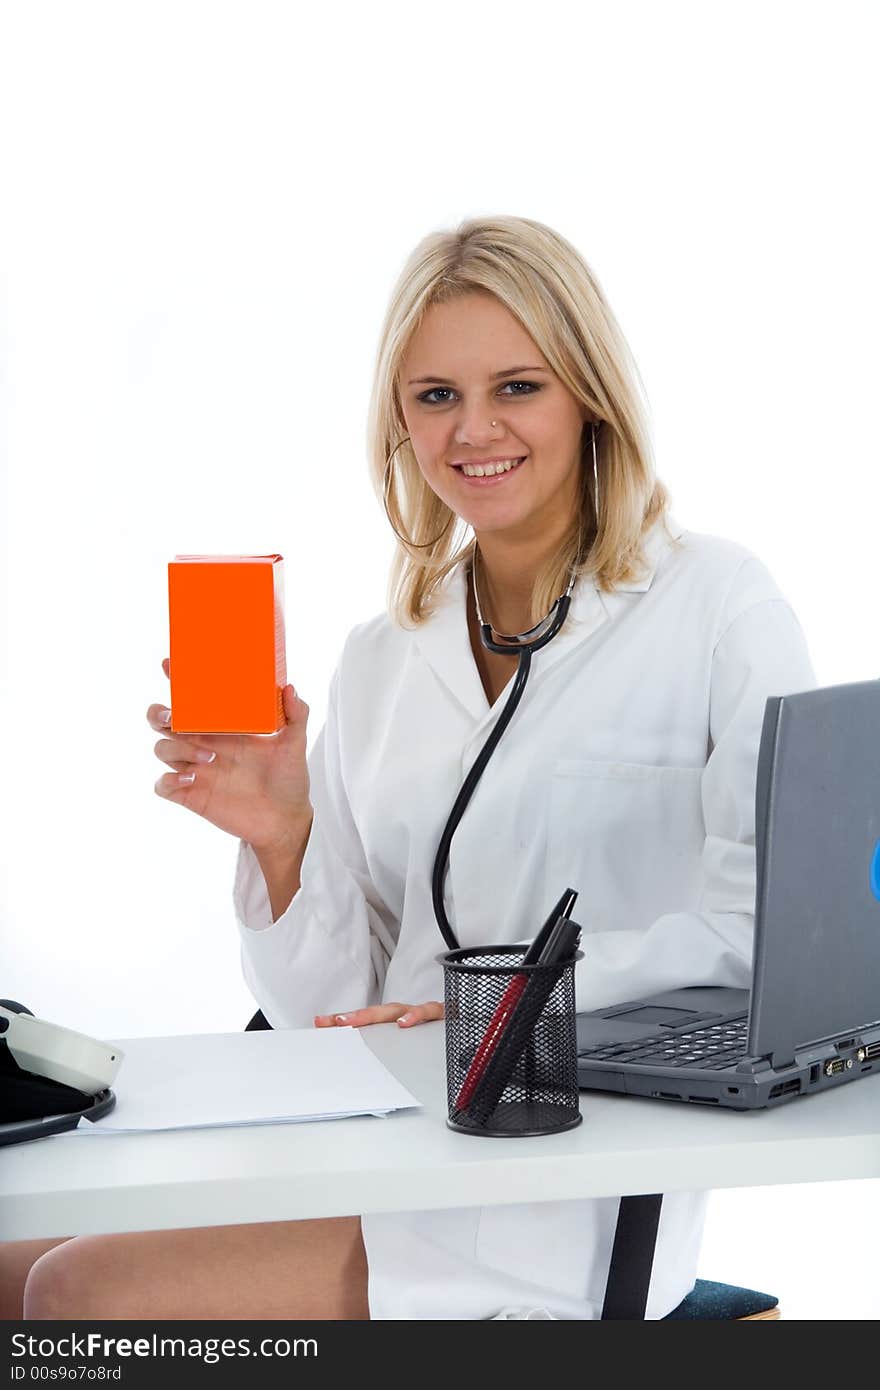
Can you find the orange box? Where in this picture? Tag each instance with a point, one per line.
(226, 628)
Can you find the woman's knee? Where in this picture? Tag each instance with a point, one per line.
(17, 1258)
(68, 1282)
(310, 1269)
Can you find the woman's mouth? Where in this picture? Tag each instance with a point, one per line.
(489, 474)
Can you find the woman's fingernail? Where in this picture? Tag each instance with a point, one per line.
(341, 1018)
(405, 1018)
(205, 755)
(186, 779)
(164, 716)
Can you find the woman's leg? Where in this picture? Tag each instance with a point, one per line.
(16, 1258)
(277, 1269)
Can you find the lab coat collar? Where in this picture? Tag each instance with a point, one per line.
(444, 643)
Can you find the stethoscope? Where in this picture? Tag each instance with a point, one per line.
(504, 643)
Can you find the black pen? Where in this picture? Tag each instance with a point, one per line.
(562, 909)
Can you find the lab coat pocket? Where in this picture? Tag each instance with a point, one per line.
(628, 837)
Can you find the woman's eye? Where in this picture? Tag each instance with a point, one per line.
(531, 387)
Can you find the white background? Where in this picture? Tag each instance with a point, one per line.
(204, 207)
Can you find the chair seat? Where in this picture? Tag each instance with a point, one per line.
(721, 1301)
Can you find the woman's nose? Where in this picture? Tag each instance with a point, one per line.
(477, 424)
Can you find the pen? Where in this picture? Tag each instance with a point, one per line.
(512, 994)
(562, 909)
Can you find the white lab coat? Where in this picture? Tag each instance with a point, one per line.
(627, 773)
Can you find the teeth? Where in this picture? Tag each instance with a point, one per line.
(488, 470)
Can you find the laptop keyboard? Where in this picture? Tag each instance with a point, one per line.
(715, 1046)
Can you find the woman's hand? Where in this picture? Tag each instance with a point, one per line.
(253, 786)
(405, 1015)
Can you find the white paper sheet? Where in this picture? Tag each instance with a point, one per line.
(278, 1076)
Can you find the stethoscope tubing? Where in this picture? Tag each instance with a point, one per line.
(468, 786)
(467, 791)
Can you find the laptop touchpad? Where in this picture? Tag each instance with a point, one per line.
(652, 1013)
(624, 1024)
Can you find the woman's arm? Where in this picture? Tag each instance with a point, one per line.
(281, 868)
(327, 948)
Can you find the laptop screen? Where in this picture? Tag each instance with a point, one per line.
(817, 823)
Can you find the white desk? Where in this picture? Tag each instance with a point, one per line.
(68, 1185)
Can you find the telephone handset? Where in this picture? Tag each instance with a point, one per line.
(50, 1076)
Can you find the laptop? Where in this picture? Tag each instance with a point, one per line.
(811, 1020)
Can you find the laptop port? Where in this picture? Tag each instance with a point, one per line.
(814, 1073)
(785, 1088)
(833, 1066)
(872, 1050)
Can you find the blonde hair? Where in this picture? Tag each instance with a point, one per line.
(549, 288)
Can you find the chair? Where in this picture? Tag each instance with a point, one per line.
(718, 1302)
(707, 1300)
(257, 1023)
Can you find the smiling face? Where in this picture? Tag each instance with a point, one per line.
(472, 362)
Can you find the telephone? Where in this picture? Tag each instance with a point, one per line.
(50, 1076)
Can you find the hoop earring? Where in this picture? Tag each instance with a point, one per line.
(405, 540)
(595, 472)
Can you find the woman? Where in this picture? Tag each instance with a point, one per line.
(505, 403)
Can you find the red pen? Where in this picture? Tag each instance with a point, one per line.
(489, 1041)
(509, 999)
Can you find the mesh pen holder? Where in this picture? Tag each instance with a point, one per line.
(511, 1043)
